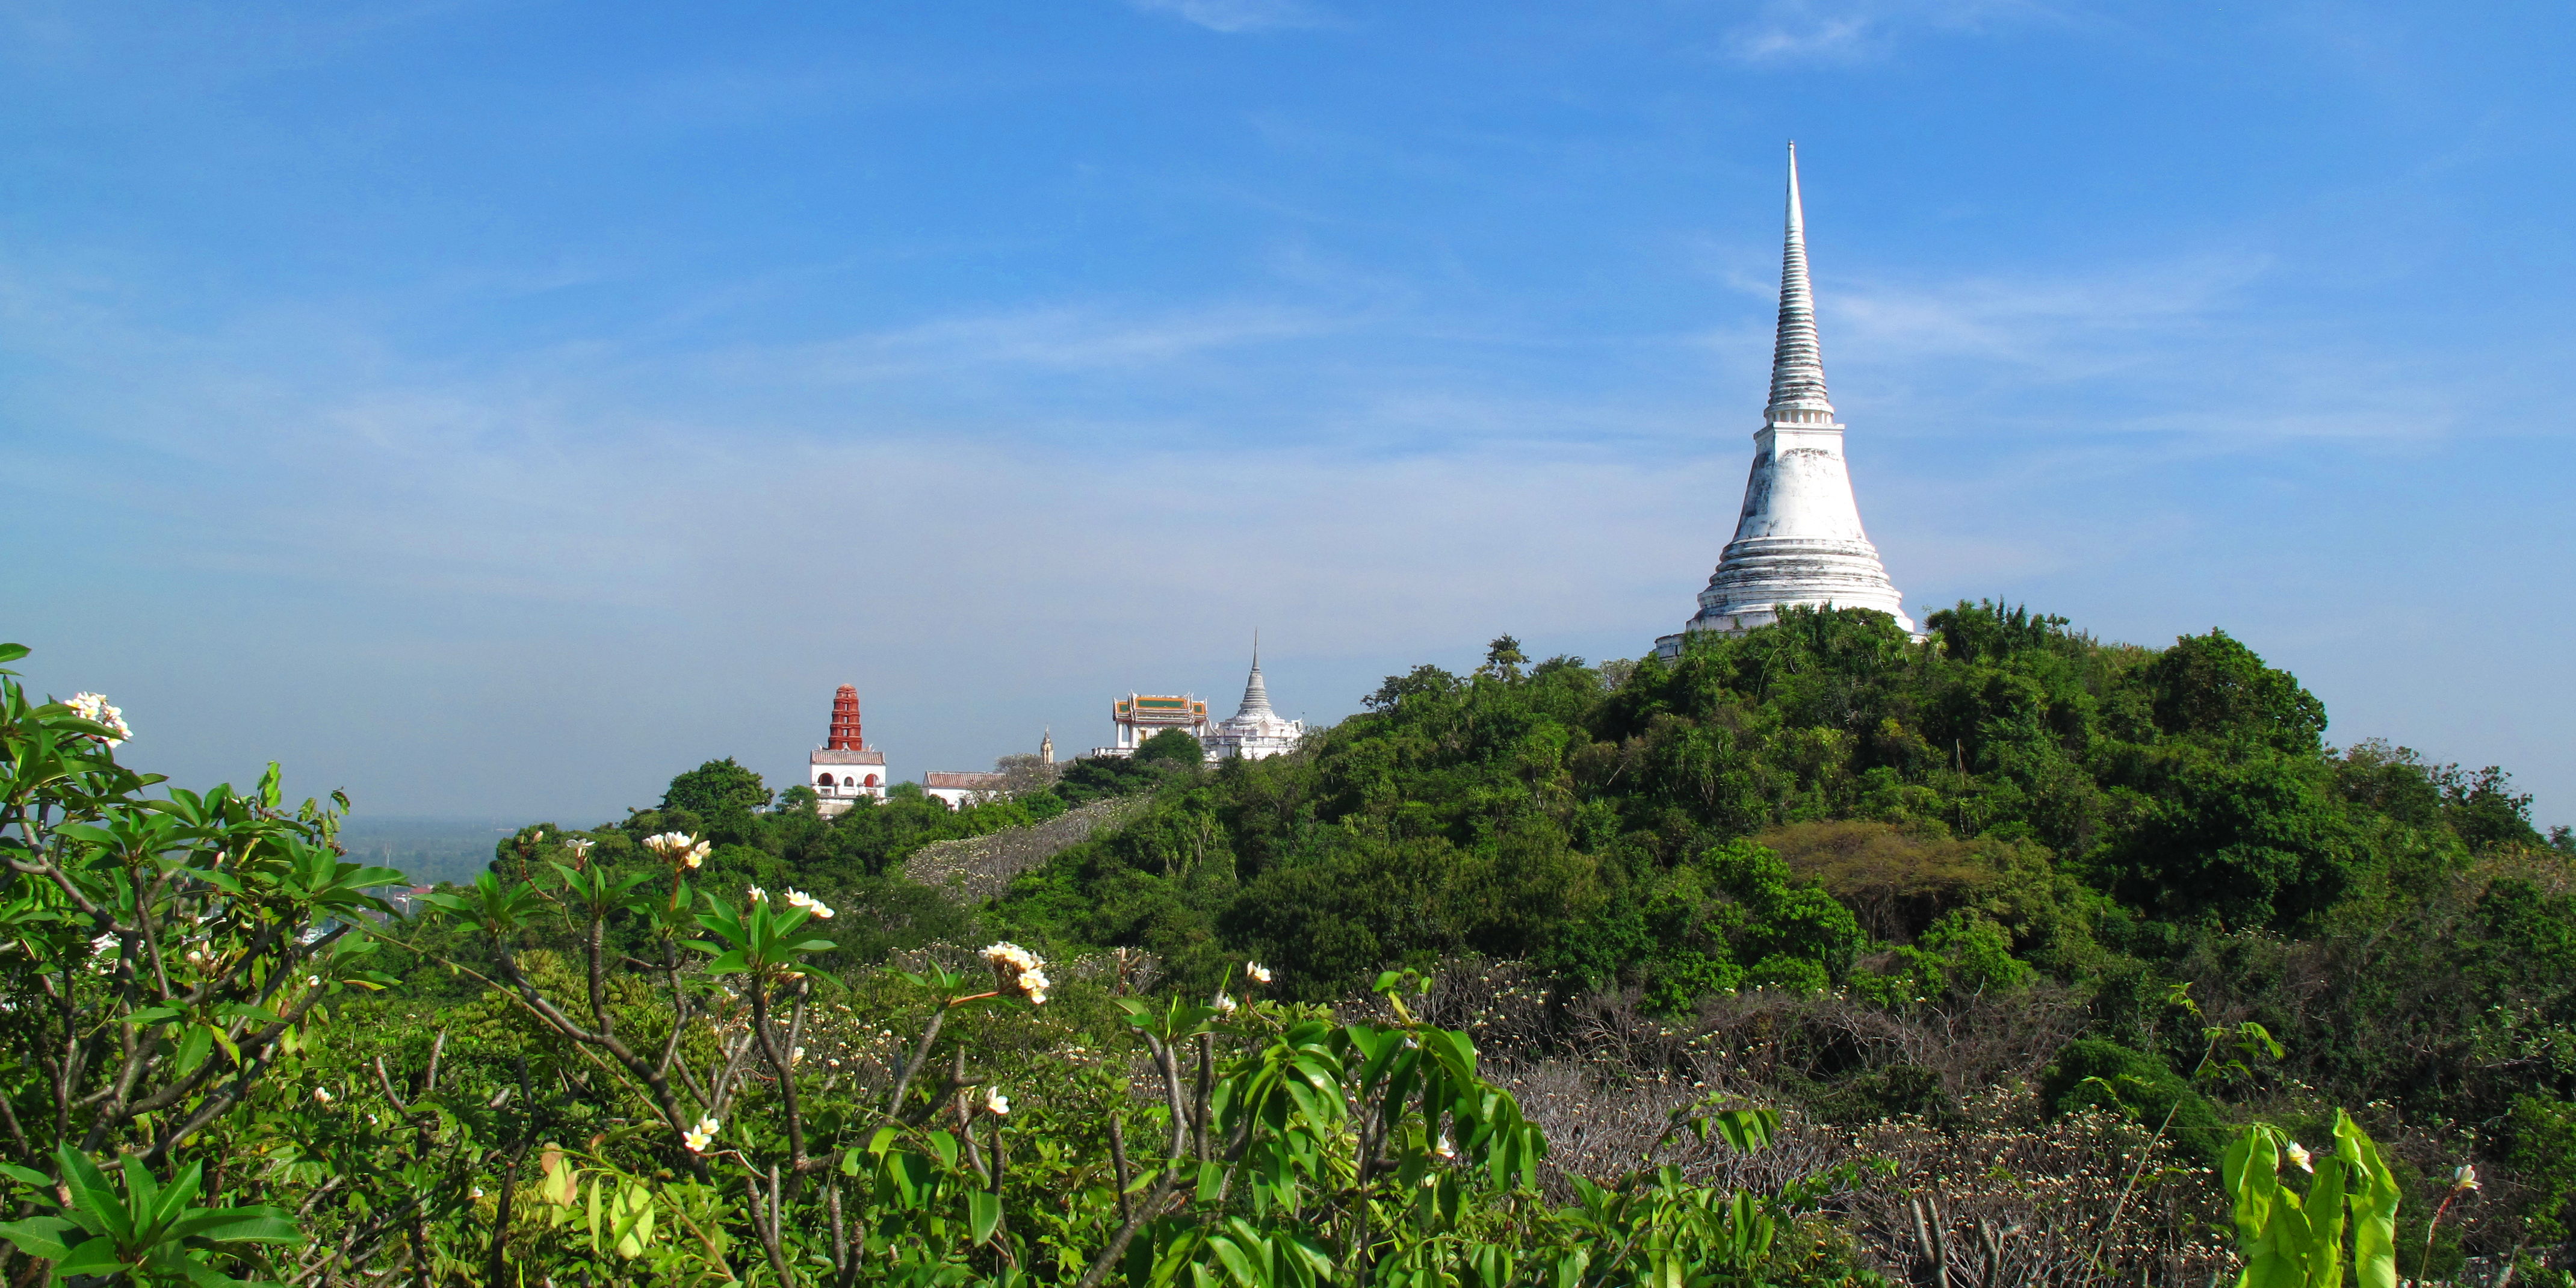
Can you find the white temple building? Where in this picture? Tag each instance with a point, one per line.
(1255, 731)
(1799, 540)
(959, 788)
(1140, 716)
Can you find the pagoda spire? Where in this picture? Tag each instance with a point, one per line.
(845, 721)
(1256, 694)
(1797, 363)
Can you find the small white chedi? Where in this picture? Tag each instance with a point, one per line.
(1799, 539)
(1255, 731)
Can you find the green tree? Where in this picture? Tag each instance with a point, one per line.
(2212, 685)
(716, 787)
(1172, 747)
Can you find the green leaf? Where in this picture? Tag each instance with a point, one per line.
(91, 1194)
(983, 1214)
(97, 1256)
(40, 1236)
(1237, 1263)
(241, 1225)
(25, 1175)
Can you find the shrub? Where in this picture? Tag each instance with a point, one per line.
(2091, 1073)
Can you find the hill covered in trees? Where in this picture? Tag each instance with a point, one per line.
(2013, 799)
(1818, 955)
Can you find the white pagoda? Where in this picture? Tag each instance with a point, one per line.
(1799, 539)
(1255, 731)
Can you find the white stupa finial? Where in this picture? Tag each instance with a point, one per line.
(1797, 364)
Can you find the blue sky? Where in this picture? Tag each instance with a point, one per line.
(496, 407)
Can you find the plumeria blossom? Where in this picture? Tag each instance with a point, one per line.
(699, 1137)
(681, 848)
(93, 708)
(759, 895)
(1446, 1150)
(1260, 974)
(2299, 1157)
(322, 1095)
(2465, 1178)
(1224, 1004)
(1019, 972)
(995, 1103)
(800, 899)
(578, 847)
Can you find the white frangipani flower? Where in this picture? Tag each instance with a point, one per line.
(1260, 974)
(579, 847)
(699, 1137)
(93, 707)
(2299, 1157)
(800, 899)
(322, 1094)
(1018, 971)
(759, 895)
(681, 848)
(2465, 1178)
(995, 1103)
(1224, 1004)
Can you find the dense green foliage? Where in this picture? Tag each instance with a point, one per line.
(1825, 805)
(2093, 805)
(669, 1048)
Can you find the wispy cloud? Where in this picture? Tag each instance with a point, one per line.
(1058, 339)
(1843, 31)
(1237, 15)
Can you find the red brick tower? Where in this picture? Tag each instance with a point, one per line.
(845, 720)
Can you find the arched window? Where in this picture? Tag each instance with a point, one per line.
(825, 780)
(872, 780)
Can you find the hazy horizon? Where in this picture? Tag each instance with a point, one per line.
(496, 409)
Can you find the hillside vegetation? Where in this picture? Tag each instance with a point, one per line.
(1817, 956)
